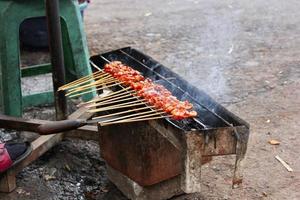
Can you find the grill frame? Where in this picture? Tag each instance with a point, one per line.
(220, 116)
(189, 147)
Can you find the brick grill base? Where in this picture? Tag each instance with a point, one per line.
(132, 190)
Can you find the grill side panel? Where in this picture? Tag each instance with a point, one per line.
(139, 152)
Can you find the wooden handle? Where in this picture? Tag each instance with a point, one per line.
(59, 126)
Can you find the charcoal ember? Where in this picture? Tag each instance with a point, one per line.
(6, 136)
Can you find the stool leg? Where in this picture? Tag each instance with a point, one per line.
(10, 68)
(75, 41)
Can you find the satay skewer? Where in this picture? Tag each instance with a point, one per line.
(113, 108)
(110, 95)
(117, 98)
(122, 104)
(93, 90)
(91, 85)
(124, 112)
(128, 121)
(140, 114)
(79, 80)
(95, 82)
(102, 78)
(83, 80)
(111, 102)
(148, 115)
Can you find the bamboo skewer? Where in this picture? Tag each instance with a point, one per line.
(78, 80)
(149, 115)
(122, 104)
(89, 86)
(123, 112)
(93, 90)
(141, 114)
(103, 79)
(112, 108)
(117, 93)
(110, 95)
(117, 98)
(93, 82)
(83, 81)
(112, 102)
(94, 77)
(128, 121)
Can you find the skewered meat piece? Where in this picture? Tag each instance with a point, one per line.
(123, 73)
(155, 94)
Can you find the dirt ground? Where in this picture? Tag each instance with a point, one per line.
(245, 54)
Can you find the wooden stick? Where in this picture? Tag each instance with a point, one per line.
(117, 98)
(284, 164)
(123, 112)
(93, 90)
(118, 93)
(140, 114)
(82, 81)
(112, 94)
(113, 108)
(91, 81)
(128, 121)
(113, 102)
(89, 86)
(121, 104)
(149, 115)
(78, 80)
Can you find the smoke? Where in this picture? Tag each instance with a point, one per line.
(214, 54)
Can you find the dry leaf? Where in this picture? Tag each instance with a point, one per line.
(274, 142)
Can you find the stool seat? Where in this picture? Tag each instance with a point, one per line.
(12, 14)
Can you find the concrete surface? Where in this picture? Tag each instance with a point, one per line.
(243, 53)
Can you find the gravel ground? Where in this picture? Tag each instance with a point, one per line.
(245, 54)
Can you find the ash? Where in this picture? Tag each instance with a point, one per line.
(71, 170)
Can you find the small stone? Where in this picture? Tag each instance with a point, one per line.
(104, 190)
(49, 178)
(148, 14)
(20, 191)
(265, 194)
(235, 186)
(67, 167)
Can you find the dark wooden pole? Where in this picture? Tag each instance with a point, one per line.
(57, 56)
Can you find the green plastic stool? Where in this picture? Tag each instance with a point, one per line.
(12, 14)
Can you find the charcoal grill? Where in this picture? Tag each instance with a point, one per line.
(150, 152)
